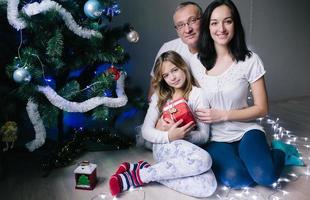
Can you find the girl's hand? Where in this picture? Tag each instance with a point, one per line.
(211, 115)
(164, 124)
(177, 133)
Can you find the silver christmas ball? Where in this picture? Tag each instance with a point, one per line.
(133, 36)
(21, 75)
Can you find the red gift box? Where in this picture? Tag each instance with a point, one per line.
(85, 176)
(177, 110)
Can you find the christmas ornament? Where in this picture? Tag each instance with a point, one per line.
(38, 126)
(85, 106)
(21, 75)
(9, 134)
(102, 68)
(35, 8)
(93, 9)
(86, 176)
(115, 72)
(132, 36)
(129, 114)
(112, 11)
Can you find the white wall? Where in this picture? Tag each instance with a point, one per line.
(281, 37)
(278, 30)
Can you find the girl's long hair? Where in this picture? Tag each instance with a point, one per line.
(162, 89)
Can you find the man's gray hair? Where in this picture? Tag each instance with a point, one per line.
(187, 3)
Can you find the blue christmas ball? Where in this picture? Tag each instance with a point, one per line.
(93, 9)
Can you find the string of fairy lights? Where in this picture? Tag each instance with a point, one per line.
(274, 131)
(277, 191)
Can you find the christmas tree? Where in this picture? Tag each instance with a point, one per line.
(69, 60)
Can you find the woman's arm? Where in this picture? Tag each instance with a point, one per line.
(259, 108)
(201, 134)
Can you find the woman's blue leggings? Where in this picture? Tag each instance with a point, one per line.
(246, 162)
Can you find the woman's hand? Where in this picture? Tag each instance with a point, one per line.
(177, 133)
(211, 115)
(258, 109)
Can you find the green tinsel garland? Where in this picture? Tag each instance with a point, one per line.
(63, 155)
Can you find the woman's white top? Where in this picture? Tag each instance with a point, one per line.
(229, 91)
(198, 136)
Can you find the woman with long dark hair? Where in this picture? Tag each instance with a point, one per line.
(225, 68)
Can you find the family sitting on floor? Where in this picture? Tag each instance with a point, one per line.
(200, 124)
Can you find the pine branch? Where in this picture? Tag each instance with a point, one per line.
(56, 62)
(3, 5)
(28, 57)
(49, 114)
(100, 84)
(25, 91)
(37, 74)
(101, 113)
(70, 90)
(55, 45)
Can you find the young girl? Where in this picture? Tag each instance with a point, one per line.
(180, 164)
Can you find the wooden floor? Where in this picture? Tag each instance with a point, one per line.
(23, 179)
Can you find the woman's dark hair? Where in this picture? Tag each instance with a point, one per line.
(237, 46)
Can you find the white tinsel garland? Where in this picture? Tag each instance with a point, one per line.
(37, 122)
(89, 104)
(12, 15)
(46, 5)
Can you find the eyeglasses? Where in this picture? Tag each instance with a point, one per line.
(191, 21)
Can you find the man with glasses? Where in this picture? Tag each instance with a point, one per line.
(186, 23)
